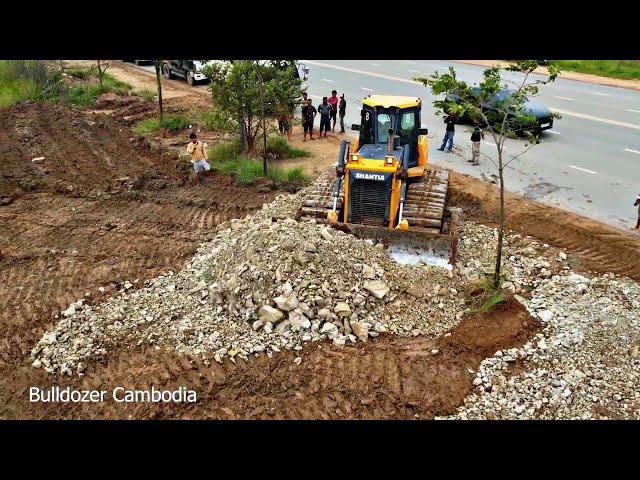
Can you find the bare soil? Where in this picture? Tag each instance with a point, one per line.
(390, 377)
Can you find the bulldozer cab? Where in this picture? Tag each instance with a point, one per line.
(380, 116)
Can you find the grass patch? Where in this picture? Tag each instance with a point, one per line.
(248, 170)
(147, 94)
(278, 148)
(223, 152)
(213, 119)
(624, 69)
(22, 80)
(173, 124)
(486, 296)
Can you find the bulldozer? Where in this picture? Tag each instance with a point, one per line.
(383, 188)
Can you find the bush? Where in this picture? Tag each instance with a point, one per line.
(213, 119)
(22, 80)
(279, 148)
(87, 93)
(173, 124)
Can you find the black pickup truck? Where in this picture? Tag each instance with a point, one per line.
(190, 70)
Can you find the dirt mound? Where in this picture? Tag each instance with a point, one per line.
(104, 207)
(598, 247)
(390, 377)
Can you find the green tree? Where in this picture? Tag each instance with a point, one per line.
(507, 118)
(236, 90)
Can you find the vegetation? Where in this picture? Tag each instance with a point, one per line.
(214, 119)
(625, 69)
(247, 169)
(509, 115)
(175, 123)
(22, 80)
(87, 93)
(240, 89)
(278, 148)
(147, 94)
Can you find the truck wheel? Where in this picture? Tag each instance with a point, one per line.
(190, 78)
(166, 71)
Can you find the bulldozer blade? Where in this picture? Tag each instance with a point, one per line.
(409, 246)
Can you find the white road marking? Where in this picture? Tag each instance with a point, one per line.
(414, 71)
(489, 143)
(631, 150)
(553, 131)
(595, 119)
(632, 110)
(563, 98)
(367, 89)
(317, 96)
(583, 170)
(412, 63)
(598, 93)
(327, 80)
(375, 64)
(361, 72)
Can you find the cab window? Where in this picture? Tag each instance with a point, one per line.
(383, 126)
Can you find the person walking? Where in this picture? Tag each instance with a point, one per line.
(333, 102)
(342, 110)
(324, 109)
(199, 157)
(451, 121)
(309, 113)
(476, 136)
(637, 204)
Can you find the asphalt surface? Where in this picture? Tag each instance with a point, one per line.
(588, 163)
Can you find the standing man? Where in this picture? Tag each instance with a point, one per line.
(637, 203)
(333, 101)
(309, 113)
(199, 157)
(476, 136)
(324, 109)
(342, 109)
(451, 121)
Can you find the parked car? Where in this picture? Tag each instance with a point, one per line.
(543, 116)
(190, 70)
(140, 62)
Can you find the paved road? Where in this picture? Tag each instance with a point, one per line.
(588, 163)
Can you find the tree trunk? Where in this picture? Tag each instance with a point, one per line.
(100, 73)
(159, 82)
(264, 129)
(62, 66)
(496, 274)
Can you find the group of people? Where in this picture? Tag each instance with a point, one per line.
(329, 110)
(477, 135)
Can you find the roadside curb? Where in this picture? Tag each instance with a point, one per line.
(567, 75)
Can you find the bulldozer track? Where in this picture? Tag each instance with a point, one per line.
(424, 207)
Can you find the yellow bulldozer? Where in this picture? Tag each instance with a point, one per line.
(383, 188)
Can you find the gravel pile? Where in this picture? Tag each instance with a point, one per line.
(585, 364)
(261, 285)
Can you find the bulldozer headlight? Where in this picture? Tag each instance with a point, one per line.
(389, 160)
(354, 158)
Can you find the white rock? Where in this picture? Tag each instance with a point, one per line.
(343, 309)
(286, 303)
(298, 360)
(360, 330)
(270, 314)
(377, 288)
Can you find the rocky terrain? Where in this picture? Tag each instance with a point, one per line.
(267, 283)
